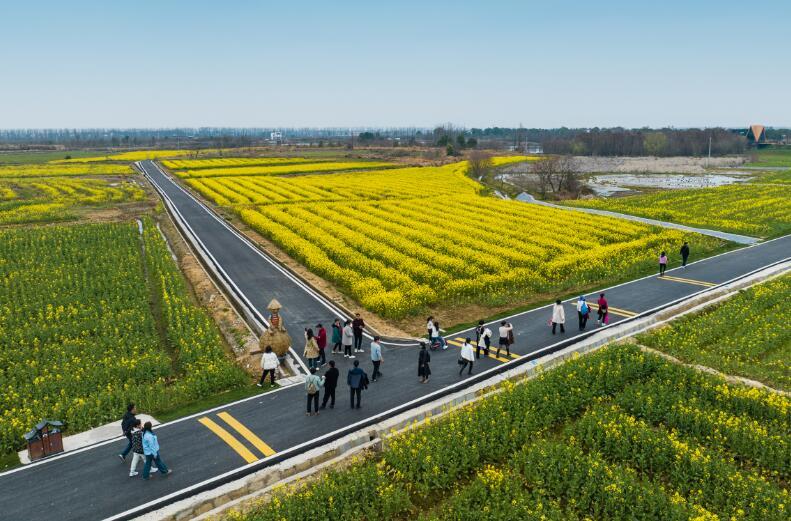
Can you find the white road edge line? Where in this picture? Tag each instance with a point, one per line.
(160, 426)
(225, 277)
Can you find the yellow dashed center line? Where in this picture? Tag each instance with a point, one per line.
(457, 342)
(615, 311)
(249, 435)
(688, 281)
(228, 438)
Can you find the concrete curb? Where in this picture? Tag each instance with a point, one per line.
(254, 487)
(733, 237)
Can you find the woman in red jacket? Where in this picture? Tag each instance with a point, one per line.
(321, 340)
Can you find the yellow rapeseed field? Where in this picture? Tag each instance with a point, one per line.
(219, 162)
(60, 170)
(402, 240)
(34, 199)
(284, 169)
(137, 155)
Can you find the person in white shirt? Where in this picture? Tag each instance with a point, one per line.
(269, 363)
(467, 357)
(347, 339)
(484, 341)
(430, 328)
(505, 338)
(558, 317)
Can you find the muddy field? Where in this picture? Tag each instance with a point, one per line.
(642, 165)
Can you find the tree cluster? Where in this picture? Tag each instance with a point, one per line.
(645, 142)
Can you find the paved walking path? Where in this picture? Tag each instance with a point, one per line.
(733, 237)
(92, 483)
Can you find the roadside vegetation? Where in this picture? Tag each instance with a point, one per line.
(80, 337)
(619, 434)
(747, 335)
(750, 209)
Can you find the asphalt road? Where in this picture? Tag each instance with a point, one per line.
(93, 484)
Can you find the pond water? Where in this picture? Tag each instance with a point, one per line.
(610, 184)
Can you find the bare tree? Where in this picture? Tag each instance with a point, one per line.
(556, 174)
(479, 165)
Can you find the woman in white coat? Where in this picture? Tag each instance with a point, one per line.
(558, 317)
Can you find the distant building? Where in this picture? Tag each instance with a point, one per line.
(534, 148)
(276, 137)
(756, 135)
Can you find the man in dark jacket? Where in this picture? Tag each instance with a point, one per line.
(358, 325)
(330, 383)
(357, 380)
(127, 422)
(684, 254)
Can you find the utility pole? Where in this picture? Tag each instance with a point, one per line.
(709, 158)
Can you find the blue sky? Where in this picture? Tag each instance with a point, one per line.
(348, 63)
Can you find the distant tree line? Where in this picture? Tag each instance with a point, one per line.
(645, 142)
(454, 139)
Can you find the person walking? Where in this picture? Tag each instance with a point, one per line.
(423, 361)
(506, 334)
(127, 422)
(604, 311)
(313, 384)
(466, 357)
(269, 363)
(321, 340)
(684, 254)
(376, 358)
(357, 381)
(151, 452)
(583, 312)
(330, 383)
(358, 325)
(484, 335)
(311, 351)
(662, 263)
(558, 317)
(429, 328)
(337, 336)
(137, 447)
(348, 339)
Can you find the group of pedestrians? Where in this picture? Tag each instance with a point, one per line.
(347, 337)
(142, 443)
(583, 313)
(356, 379)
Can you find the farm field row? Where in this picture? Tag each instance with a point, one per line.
(747, 335)
(402, 183)
(232, 162)
(402, 240)
(758, 210)
(62, 170)
(29, 200)
(137, 155)
(619, 434)
(79, 336)
(284, 169)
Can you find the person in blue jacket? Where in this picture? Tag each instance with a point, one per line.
(151, 452)
(357, 380)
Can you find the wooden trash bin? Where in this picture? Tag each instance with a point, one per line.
(45, 439)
